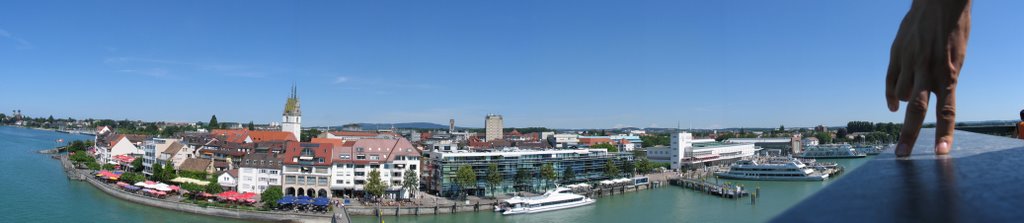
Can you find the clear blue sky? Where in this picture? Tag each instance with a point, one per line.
(563, 64)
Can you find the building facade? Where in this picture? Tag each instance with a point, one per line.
(687, 152)
(494, 126)
(586, 165)
(306, 169)
(151, 152)
(259, 171)
(354, 160)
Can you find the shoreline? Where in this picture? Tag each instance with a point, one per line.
(79, 175)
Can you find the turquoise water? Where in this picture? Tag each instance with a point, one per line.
(36, 190)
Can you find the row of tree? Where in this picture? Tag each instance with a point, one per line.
(376, 187)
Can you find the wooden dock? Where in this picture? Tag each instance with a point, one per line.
(721, 190)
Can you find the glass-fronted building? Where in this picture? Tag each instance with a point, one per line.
(586, 165)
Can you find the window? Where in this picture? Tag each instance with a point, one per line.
(397, 174)
(360, 157)
(374, 166)
(412, 166)
(359, 174)
(273, 172)
(289, 179)
(374, 157)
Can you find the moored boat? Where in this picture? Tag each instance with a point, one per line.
(557, 199)
(773, 169)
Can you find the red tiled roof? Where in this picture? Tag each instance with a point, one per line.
(354, 133)
(319, 150)
(385, 149)
(336, 142)
(595, 141)
(239, 135)
(263, 136)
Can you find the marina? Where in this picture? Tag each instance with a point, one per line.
(831, 151)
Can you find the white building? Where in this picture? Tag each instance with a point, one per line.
(564, 140)
(228, 179)
(116, 145)
(259, 171)
(291, 119)
(687, 151)
(354, 160)
(152, 150)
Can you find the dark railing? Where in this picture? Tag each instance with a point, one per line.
(979, 181)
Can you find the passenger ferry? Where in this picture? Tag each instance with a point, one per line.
(773, 168)
(870, 150)
(559, 198)
(834, 151)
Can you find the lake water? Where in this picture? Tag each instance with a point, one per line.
(36, 190)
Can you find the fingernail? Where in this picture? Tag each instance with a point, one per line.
(892, 106)
(942, 148)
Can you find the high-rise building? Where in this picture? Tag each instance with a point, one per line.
(292, 117)
(451, 125)
(493, 125)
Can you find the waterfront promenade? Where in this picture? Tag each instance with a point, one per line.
(174, 203)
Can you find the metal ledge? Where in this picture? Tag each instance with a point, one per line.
(981, 180)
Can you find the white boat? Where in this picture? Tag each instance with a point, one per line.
(834, 151)
(775, 168)
(557, 199)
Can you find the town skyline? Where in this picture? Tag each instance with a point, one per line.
(538, 64)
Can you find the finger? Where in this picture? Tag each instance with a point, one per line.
(905, 81)
(917, 107)
(890, 82)
(945, 115)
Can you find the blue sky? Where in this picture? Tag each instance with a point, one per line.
(563, 64)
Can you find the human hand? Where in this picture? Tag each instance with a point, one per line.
(926, 58)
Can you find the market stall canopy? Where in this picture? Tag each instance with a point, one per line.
(182, 180)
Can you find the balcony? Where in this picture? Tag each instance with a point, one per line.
(979, 181)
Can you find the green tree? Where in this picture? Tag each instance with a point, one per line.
(157, 173)
(568, 175)
(628, 167)
(374, 186)
(132, 178)
(465, 177)
(168, 173)
(252, 126)
(214, 188)
(611, 170)
(655, 140)
(824, 137)
(644, 166)
(213, 123)
(493, 177)
(411, 182)
(611, 148)
(308, 134)
(547, 172)
(191, 187)
(522, 177)
(50, 119)
(270, 196)
(137, 165)
(782, 128)
(108, 166)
